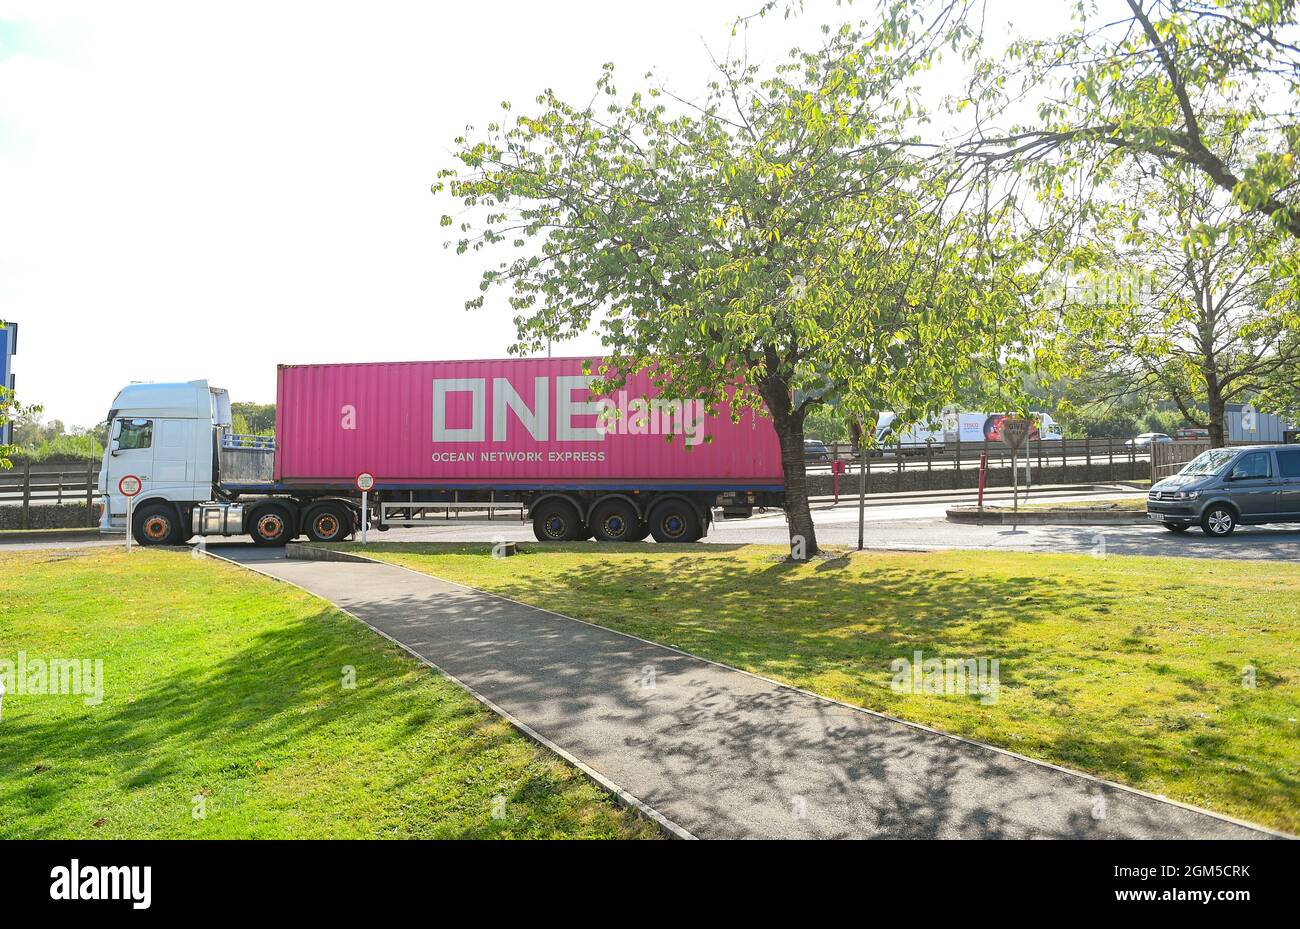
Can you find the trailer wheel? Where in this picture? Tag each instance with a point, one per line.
(642, 530)
(558, 521)
(329, 523)
(272, 525)
(616, 521)
(156, 524)
(675, 521)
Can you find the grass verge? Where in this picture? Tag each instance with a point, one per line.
(1176, 676)
(1135, 504)
(225, 715)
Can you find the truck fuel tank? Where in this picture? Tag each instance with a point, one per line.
(218, 519)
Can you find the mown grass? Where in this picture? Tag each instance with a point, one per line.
(1134, 669)
(228, 687)
(1137, 504)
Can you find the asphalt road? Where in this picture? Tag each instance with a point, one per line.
(908, 526)
(722, 753)
(922, 527)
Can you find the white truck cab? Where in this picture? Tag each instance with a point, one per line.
(166, 435)
(197, 478)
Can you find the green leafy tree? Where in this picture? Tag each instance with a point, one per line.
(1171, 83)
(828, 424)
(253, 418)
(1189, 302)
(770, 243)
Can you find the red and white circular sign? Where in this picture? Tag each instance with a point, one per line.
(365, 481)
(129, 485)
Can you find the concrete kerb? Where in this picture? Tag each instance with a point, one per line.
(19, 536)
(310, 553)
(1081, 516)
(1159, 798)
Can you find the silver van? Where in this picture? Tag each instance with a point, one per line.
(1227, 487)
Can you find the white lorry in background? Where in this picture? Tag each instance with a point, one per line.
(932, 434)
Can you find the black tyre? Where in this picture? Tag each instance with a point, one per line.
(272, 525)
(616, 521)
(156, 524)
(642, 530)
(674, 521)
(1177, 527)
(329, 523)
(1219, 521)
(558, 521)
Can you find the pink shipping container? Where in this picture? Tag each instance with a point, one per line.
(507, 424)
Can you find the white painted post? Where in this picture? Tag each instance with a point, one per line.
(365, 515)
(130, 508)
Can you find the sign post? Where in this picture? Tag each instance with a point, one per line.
(860, 436)
(129, 486)
(1015, 430)
(365, 481)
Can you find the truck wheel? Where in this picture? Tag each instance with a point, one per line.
(675, 521)
(642, 530)
(1219, 521)
(156, 524)
(558, 521)
(616, 521)
(271, 526)
(329, 523)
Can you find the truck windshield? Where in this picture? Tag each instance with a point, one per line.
(1209, 462)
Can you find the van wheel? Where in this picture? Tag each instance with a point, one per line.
(156, 524)
(1180, 528)
(675, 521)
(615, 521)
(272, 525)
(1219, 521)
(329, 523)
(558, 521)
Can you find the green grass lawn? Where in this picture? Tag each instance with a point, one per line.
(225, 686)
(1128, 668)
(1137, 504)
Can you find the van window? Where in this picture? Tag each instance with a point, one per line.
(135, 433)
(1254, 465)
(1288, 462)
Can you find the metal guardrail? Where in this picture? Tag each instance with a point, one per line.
(958, 456)
(235, 440)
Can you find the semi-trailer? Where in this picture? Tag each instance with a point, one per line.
(516, 435)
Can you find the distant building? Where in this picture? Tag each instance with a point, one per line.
(8, 348)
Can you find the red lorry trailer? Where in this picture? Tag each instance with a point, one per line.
(525, 435)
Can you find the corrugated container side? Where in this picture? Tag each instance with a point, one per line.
(501, 423)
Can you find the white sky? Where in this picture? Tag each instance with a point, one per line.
(194, 191)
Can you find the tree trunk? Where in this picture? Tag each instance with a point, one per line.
(789, 431)
(1217, 417)
(1217, 424)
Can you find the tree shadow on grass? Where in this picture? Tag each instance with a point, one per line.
(785, 621)
(273, 702)
(726, 754)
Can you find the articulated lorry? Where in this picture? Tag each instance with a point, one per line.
(522, 435)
